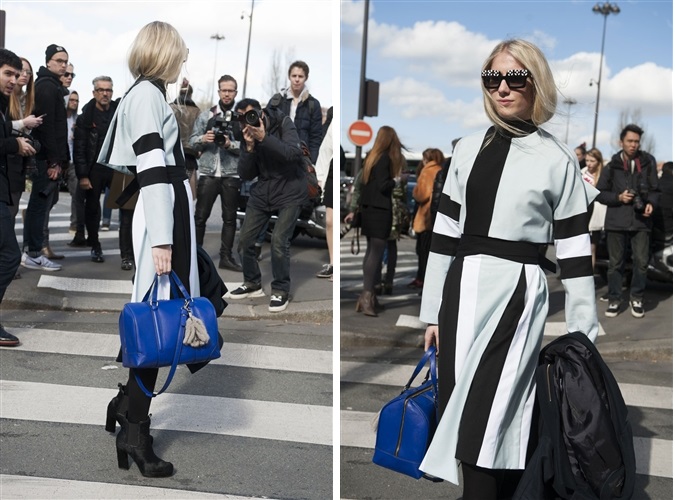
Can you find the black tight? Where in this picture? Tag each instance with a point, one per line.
(372, 262)
(139, 403)
(488, 484)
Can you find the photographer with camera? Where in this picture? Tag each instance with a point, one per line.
(629, 187)
(270, 152)
(10, 254)
(218, 156)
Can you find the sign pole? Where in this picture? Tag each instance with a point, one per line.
(362, 82)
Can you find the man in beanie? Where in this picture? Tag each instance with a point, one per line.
(52, 157)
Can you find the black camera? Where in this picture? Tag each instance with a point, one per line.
(29, 163)
(640, 196)
(251, 117)
(221, 128)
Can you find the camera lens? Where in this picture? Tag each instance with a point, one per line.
(252, 117)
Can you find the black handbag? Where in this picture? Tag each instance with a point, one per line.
(407, 423)
(156, 333)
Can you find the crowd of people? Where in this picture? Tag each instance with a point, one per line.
(261, 170)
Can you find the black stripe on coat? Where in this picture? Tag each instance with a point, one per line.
(483, 388)
(448, 207)
(147, 143)
(576, 267)
(153, 175)
(570, 227)
(444, 245)
(447, 332)
(483, 183)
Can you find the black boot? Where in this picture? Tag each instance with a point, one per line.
(134, 440)
(117, 408)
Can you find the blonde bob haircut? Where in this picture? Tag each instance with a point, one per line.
(157, 53)
(545, 93)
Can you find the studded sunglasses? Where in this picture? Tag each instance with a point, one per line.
(515, 78)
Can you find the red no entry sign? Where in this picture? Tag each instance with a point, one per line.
(360, 133)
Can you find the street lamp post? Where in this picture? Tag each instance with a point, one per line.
(248, 46)
(217, 37)
(605, 9)
(569, 101)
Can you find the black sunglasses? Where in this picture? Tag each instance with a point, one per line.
(68, 75)
(515, 78)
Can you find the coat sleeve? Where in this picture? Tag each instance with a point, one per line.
(315, 131)
(573, 251)
(325, 156)
(145, 130)
(198, 130)
(45, 104)
(283, 151)
(80, 149)
(444, 241)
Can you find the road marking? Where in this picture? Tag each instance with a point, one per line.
(299, 423)
(28, 487)
(645, 396)
(653, 457)
(241, 355)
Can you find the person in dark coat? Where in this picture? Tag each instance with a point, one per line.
(303, 108)
(381, 173)
(628, 186)
(10, 255)
(271, 153)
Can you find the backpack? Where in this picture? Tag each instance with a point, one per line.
(277, 99)
(585, 449)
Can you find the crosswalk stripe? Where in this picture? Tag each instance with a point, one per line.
(653, 457)
(551, 329)
(232, 354)
(645, 396)
(28, 487)
(299, 423)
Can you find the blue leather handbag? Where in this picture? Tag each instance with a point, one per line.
(153, 332)
(408, 422)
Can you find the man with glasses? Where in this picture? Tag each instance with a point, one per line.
(218, 159)
(90, 130)
(52, 157)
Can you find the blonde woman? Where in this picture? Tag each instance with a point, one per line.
(485, 296)
(591, 174)
(381, 173)
(143, 139)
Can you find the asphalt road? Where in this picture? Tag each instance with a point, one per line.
(256, 423)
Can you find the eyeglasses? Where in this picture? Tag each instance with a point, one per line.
(515, 78)
(227, 91)
(60, 61)
(26, 72)
(68, 75)
(101, 91)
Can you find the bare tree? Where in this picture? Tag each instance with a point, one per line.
(276, 78)
(634, 115)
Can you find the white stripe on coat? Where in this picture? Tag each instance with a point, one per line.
(576, 246)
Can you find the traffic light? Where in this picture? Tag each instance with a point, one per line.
(372, 97)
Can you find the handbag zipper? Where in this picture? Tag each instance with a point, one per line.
(405, 408)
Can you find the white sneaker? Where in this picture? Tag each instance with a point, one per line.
(41, 263)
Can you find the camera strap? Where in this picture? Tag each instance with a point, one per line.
(637, 164)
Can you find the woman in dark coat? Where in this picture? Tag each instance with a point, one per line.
(381, 173)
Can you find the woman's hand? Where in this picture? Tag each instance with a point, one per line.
(349, 218)
(161, 256)
(431, 337)
(32, 121)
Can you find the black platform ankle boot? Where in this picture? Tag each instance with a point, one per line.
(134, 440)
(117, 408)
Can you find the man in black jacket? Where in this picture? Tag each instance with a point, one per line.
(271, 152)
(628, 186)
(52, 157)
(90, 130)
(10, 254)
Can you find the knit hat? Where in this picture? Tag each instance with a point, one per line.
(53, 49)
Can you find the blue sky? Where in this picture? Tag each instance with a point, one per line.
(427, 57)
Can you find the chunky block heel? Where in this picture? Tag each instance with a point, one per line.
(122, 459)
